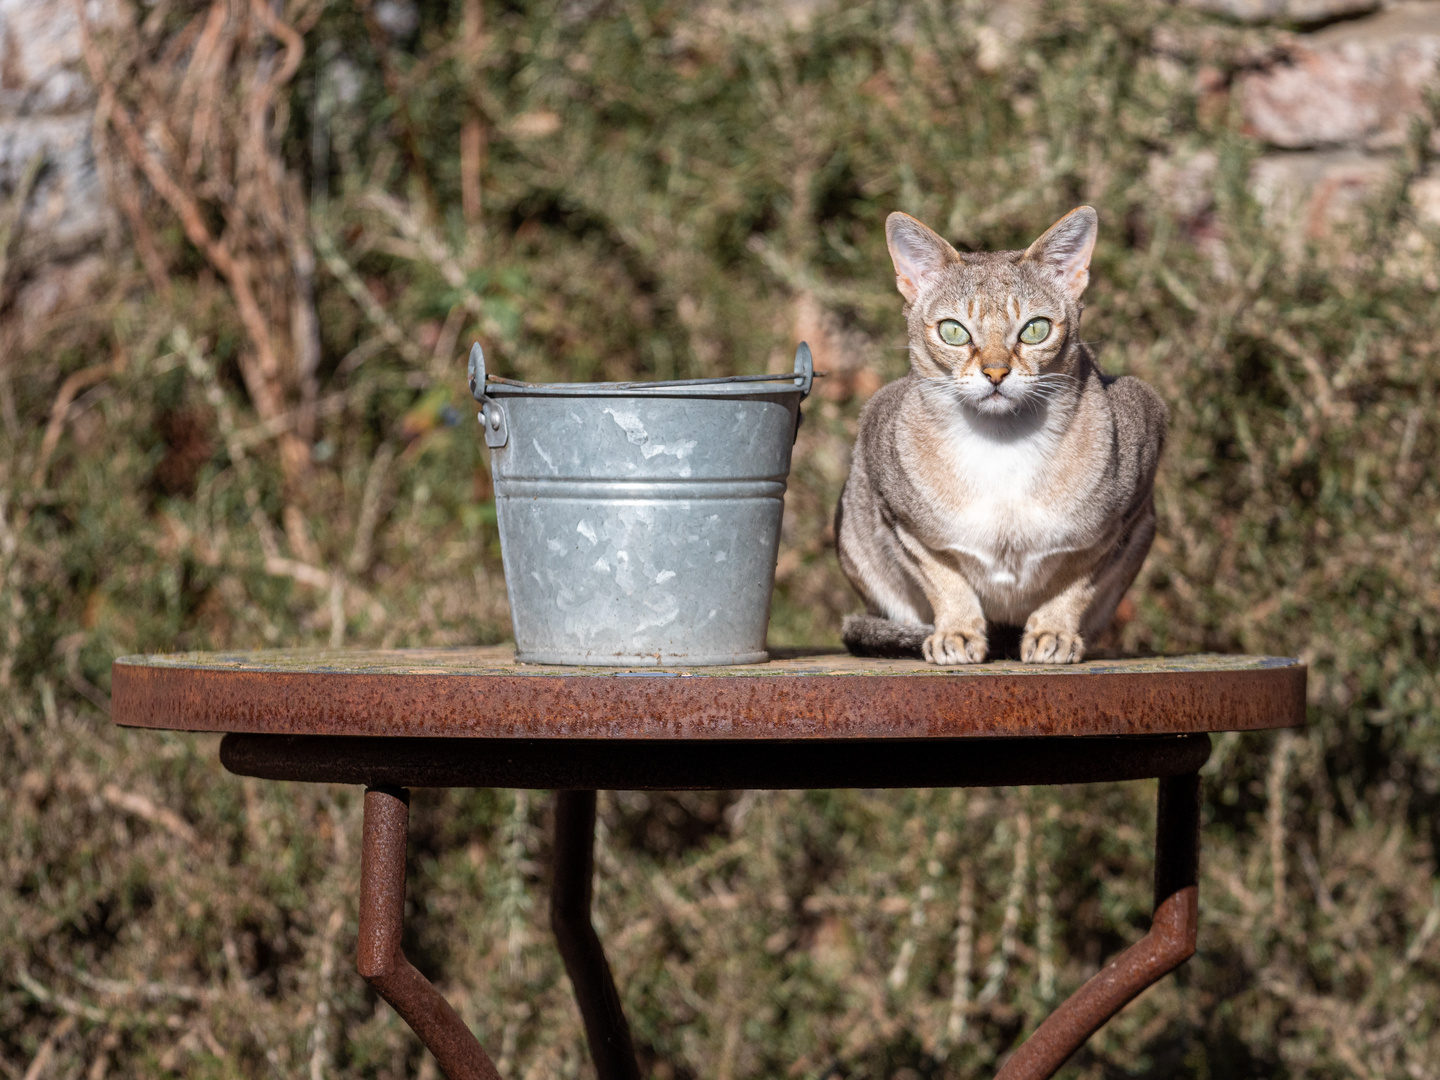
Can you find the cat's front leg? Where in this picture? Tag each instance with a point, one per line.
(1052, 633)
(959, 636)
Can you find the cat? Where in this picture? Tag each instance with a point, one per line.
(1004, 482)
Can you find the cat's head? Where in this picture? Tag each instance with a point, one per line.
(999, 329)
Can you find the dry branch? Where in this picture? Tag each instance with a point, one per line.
(121, 182)
(16, 210)
(262, 220)
(134, 803)
(41, 1061)
(414, 157)
(69, 389)
(472, 134)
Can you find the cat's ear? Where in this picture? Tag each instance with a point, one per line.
(1066, 248)
(916, 251)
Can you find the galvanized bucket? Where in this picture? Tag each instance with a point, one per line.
(639, 522)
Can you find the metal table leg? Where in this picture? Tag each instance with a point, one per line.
(1170, 942)
(380, 958)
(570, 894)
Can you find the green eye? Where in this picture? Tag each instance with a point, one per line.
(1036, 331)
(952, 333)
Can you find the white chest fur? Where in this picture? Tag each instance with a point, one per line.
(1006, 506)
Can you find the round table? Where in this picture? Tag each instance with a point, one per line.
(396, 719)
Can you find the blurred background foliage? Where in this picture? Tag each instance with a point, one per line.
(259, 434)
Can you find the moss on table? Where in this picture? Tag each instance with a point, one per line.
(500, 660)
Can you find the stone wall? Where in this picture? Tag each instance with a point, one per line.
(1332, 99)
(47, 111)
(1329, 90)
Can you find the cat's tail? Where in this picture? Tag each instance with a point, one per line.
(870, 635)
(886, 639)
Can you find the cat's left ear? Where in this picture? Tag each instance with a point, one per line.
(1066, 248)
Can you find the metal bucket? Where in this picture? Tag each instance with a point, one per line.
(639, 522)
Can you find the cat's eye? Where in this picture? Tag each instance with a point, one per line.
(952, 333)
(1036, 331)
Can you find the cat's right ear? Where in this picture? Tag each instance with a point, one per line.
(917, 251)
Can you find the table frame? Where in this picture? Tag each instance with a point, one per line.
(384, 764)
(395, 719)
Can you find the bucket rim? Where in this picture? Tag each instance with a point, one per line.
(734, 385)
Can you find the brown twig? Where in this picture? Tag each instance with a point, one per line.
(350, 280)
(472, 134)
(409, 141)
(449, 334)
(16, 210)
(41, 1061)
(121, 182)
(261, 372)
(192, 220)
(304, 320)
(147, 810)
(359, 560)
(69, 389)
(202, 74)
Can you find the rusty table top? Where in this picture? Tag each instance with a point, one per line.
(483, 693)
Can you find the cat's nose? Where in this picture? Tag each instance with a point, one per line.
(995, 374)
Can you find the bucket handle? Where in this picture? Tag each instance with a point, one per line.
(804, 369)
(492, 414)
(804, 376)
(496, 424)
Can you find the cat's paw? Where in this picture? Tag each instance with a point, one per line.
(948, 647)
(1051, 647)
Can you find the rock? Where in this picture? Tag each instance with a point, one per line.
(1185, 181)
(537, 124)
(1354, 83)
(1425, 197)
(67, 211)
(55, 289)
(1001, 27)
(1313, 191)
(1285, 12)
(46, 109)
(399, 19)
(42, 70)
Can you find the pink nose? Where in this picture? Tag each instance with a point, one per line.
(995, 374)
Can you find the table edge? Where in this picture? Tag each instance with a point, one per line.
(780, 706)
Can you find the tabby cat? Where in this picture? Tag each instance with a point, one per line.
(1004, 482)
